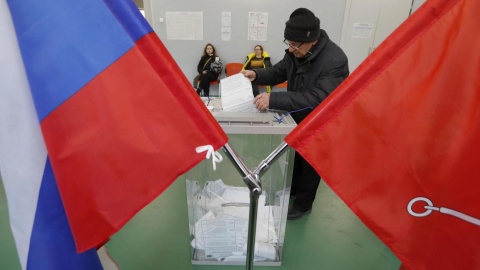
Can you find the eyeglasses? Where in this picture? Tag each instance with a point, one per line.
(294, 47)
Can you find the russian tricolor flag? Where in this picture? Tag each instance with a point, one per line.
(97, 120)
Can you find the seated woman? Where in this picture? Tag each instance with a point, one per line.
(207, 72)
(258, 59)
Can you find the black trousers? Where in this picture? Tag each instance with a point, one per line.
(205, 80)
(305, 183)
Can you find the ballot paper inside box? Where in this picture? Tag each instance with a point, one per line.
(218, 201)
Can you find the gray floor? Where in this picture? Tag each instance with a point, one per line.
(330, 238)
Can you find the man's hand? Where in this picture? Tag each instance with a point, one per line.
(251, 75)
(262, 101)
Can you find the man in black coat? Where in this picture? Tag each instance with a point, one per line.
(313, 66)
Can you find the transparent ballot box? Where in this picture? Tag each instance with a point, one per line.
(218, 201)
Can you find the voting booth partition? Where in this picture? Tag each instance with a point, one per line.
(218, 200)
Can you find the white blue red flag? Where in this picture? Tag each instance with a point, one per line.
(399, 140)
(97, 120)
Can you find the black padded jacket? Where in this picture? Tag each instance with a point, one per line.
(310, 80)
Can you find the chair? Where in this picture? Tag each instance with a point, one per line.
(211, 83)
(202, 94)
(282, 85)
(233, 68)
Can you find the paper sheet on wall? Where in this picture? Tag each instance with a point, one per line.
(226, 26)
(226, 33)
(362, 30)
(257, 26)
(184, 25)
(237, 94)
(226, 18)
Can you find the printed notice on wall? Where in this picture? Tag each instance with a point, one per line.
(257, 26)
(184, 25)
(226, 25)
(362, 30)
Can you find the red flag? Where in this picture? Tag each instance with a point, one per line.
(403, 131)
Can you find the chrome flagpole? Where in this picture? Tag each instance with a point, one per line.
(255, 191)
(252, 180)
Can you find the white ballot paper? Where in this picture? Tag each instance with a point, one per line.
(219, 237)
(215, 188)
(237, 94)
(241, 230)
(221, 229)
(263, 250)
(198, 241)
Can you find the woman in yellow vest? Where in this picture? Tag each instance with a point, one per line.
(258, 59)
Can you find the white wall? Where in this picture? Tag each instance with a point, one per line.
(187, 53)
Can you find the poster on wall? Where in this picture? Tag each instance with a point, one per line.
(184, 25)
(257, 25)
(362, 30)
(226, 25)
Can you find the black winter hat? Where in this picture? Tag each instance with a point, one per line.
(302, 26)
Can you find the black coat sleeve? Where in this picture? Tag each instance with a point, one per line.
(272, 75)
(314, 94)
(306, 89)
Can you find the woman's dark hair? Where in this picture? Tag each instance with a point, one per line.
(205, 50)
